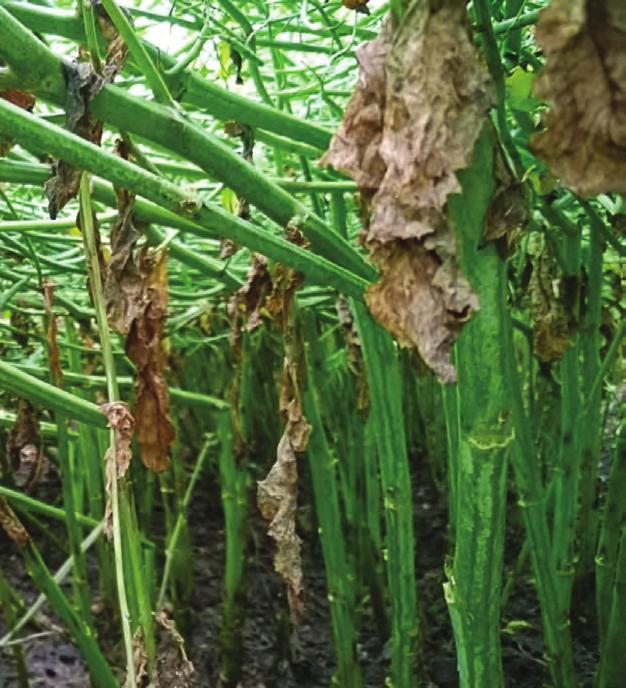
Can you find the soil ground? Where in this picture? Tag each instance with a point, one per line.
(273, 658)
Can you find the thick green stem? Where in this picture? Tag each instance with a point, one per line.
(484, 435)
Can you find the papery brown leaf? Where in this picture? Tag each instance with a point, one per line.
(277, 498)
(584, 82)
(356, 362)
(508, 211)
(12, 525)
(174, 669)
(22, 99)
(25, 447)
(123, 285)
(144, 346)
(118, 457)
(81, 85)
(54, 356)
(412, 122)
(277, 495)
(554, 322)
(249, 300)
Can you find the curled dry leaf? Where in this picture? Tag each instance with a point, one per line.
(412, 122)
(12, 525)
(277, 495)
(119, 455)
(584, 82)
(54, 356)
(144, 346)
(277, 498)
(250, 299)
(123, 285)
(552, 296)
(174, 669)
(25, 447)
(82, 84)
(22, 99)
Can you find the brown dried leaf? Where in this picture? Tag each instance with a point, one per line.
(553, 320)
(144, 346)
(81, 85)
(118, 456)
(123, 285)
(277, 498)
(25, 447)
(54, 356)
(411, 123)
(22, 99)
(174, 669)
(12, 525)
(584, 81)
(250, 298)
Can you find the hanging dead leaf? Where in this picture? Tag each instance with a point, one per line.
(144, 346)
(81, 85)
(54, 356)
(554, 320)
(119, 455)
(25, 447)
(123, 285)
(140, 662)
(12, 526)
(249, 300)
(357, 5)
(411, 124)
(22, 99)
(584, 82)
(277, 498)
(174, 669)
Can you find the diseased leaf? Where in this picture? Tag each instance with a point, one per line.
(411, 123)
(174, 669)
(584, 81)
(12, 525)
(25, 447)
(144, 346)
(81, 85)
(277, 495)
(250, 298)
(277, 498)
(123, 285)
(54, 357)
(22, 99)
(554, 323)
(118, 456)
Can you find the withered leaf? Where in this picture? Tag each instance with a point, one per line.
(144, 346)
(54, 356)
(554, 323)
(12, 526)
(22, 99)
(250, 298)
(174, 669)
(277, 495)
(25, 447)
(584, 82)
(412, 122)
(277, 498)
(81, 85)
(123, 285)
(119, 455)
